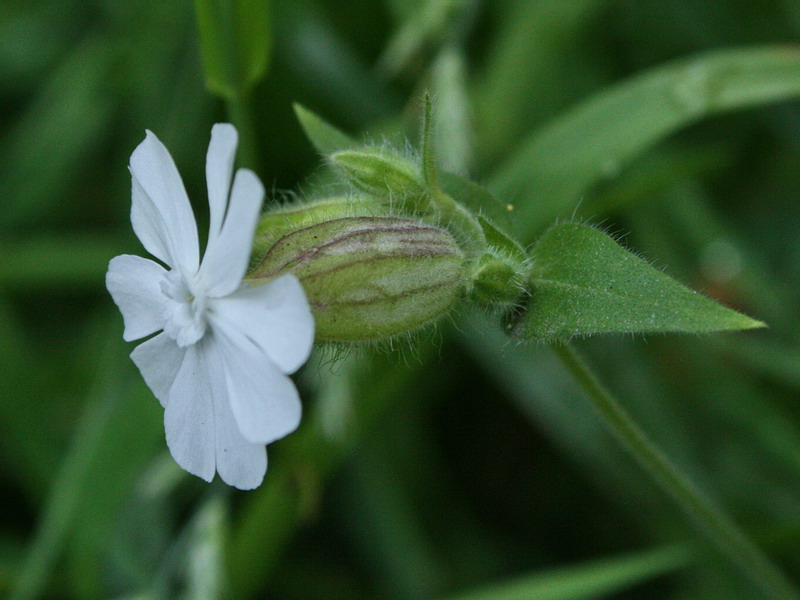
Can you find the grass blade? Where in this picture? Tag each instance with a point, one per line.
(555, 166)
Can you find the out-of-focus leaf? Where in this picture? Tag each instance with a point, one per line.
(205, 560)
(113, 440)
(655, 172)
(32, 37)
(71, 486)
(331, 70)
(598, 579)
(234, 41)
(774, 359)
(430, 21)
(131, 439)
(274, 511)
(452, 111)
(402, 9)
(50, 144)
(584, 283)
(387, 529)
(10, 552)
(550, 171)
(531, 69)
(26, 446)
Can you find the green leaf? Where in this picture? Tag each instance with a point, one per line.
(326, 138)
(597, 579)
(557, 164)
(584, 283)
(234, 42)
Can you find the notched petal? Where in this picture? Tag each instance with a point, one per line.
(227, 256)
(219, 172)
(155, 171)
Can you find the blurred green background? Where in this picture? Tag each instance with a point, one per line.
(468, 466)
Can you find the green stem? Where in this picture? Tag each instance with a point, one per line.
(429, 174)
(241, 115)
(711, 519)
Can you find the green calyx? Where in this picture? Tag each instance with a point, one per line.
(398, 250)
(498, 279)
(389, 178)
(370, 278)
(275, 224)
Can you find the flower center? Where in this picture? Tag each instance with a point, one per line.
(185, 315)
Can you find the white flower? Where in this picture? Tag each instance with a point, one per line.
(220, 365)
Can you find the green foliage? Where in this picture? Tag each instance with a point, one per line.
(555, 165)
(595, 580)
(584, 283)
(470, 466)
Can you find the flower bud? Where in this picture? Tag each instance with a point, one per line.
(379, 173)
(368, 278)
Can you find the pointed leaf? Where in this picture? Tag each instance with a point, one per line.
(585, 283)
(326, 138)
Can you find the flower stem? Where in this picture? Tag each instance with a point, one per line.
(711, 519)
(241, 115)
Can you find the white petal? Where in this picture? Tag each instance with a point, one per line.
(219, 170)
(240, 463)
(166, 224)
(228, 254)
(264, 401)
(159, 360)
(274, 315)
(189, 416)
(148, 225)
(134, 283)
